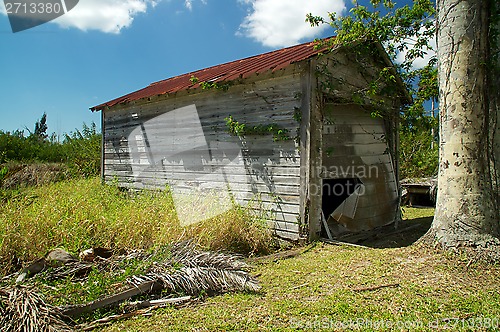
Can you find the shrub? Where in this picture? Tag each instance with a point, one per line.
(80, 150)
(418, 148)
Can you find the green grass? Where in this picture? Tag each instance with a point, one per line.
(82, 213)
(410, 213)
(79, 214)
(322, 289)
(331, 288)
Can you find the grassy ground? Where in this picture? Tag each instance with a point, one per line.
(346, 288)
(392, 284)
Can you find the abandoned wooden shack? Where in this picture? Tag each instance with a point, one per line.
(290, 131)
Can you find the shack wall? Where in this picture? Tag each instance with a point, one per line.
(169, 142)
(357, 165)
(346, 141)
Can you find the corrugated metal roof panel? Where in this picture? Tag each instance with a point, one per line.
(244, 68)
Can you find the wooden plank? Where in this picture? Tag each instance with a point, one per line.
(258, 162)
(272, 206)
(371, 128)
(274, 171)
(284, 192)
(239, 174)
(362, 138)
(191, 178)
(145, 287)
(286, 227)
(294, 236)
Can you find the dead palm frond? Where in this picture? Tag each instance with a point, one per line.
(187, 270)
(196, 280)
(186, 254)
(22, 309)
(194, 272)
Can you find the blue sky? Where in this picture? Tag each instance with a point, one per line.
(103, 49)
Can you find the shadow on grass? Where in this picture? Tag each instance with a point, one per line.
(407, 233)
(415, 224)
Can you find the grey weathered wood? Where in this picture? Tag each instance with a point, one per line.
(112, 300)
(285, 177)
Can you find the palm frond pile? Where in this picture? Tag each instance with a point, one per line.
(193, 272)
(185, 270)
(22, 309)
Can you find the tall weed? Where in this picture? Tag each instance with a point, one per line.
(82, 213)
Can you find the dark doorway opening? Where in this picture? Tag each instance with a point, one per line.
(335, 192)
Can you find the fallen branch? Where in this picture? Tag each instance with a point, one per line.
(300, 286)
(187, 271)
(341, 243)
(372, 288)
(144, 308)
(153, 303)
(145, 287)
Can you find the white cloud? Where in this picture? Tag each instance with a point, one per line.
(189, 4)
(278, 23)
(110, 16)
(418, 63)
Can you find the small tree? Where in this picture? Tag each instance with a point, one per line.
(41, 128)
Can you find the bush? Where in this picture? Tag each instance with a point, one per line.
(419, 150)
(80, 150)
(83, 151)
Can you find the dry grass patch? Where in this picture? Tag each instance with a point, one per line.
(81, 214)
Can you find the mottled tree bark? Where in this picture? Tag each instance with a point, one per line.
(467, 207)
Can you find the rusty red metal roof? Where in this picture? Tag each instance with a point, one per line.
(244, 68)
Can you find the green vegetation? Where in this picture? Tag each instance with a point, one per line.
(330, 285)
(208, 85)
(418, 136)
(418, 149)
(406, 32)
(82, 213)
(79, 151)
(240, 129)
(323, 286)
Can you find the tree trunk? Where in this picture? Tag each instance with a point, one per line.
(467, 207)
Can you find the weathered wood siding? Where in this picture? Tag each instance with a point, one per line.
(351, 139)
(182, 141)
(158, 143)
(354, 145)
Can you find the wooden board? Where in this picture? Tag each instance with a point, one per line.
(354, 146)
